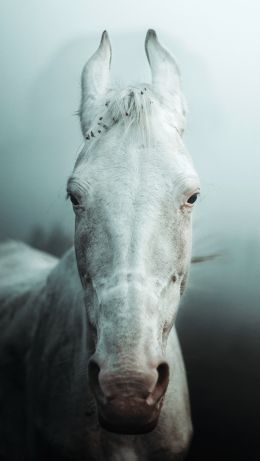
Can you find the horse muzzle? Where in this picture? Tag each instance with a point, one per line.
(129, 416)
(129, 405)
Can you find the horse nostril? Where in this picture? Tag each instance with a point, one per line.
(93, 372)
(163, 375)
(161, 384)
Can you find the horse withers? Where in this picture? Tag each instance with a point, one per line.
(92, 368)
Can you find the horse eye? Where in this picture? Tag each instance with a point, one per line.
(192, 199)
(73, 200)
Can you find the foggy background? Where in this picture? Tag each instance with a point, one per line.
(44, 46)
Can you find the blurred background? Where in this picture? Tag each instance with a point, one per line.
(44, 46)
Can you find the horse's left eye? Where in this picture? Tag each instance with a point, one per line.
(192, 199)
(73, 199)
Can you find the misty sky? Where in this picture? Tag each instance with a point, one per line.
(44, 47)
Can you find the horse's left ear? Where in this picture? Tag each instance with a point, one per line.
(94, 82)
(165, 76)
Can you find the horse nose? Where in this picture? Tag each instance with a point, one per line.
(150, 385)
(130, 402)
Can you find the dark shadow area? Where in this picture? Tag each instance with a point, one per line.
(221, 347)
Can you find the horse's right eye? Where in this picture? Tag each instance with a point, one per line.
(73, 200)
(192, 199)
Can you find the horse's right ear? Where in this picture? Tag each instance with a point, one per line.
(94, 82)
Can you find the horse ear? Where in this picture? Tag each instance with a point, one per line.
(165, 76)
(94, 82)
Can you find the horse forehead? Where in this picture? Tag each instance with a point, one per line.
(135, 167)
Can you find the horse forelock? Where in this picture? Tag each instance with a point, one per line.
(133, 107)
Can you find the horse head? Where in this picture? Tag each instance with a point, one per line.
(132, 189)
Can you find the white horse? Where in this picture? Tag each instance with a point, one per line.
(91, 367)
